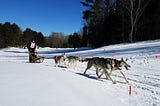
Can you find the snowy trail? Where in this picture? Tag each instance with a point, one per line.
(50, 86)
(23, 84)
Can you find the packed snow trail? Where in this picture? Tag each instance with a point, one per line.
(23, 83)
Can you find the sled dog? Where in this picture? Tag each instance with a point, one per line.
(112, 64)
(72, 60)
(119, 64)
(60, 59)
(101, 63)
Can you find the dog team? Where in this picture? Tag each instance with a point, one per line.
(107, 65)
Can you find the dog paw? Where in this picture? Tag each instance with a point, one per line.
(114, 82)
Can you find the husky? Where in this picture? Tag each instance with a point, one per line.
(118, 65)
(60, 59)
(113, 64)
(101, 63)
(73, 60)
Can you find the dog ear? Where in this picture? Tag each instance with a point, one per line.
(126, 59)
(122, 59)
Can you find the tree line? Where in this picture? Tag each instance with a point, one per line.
(60, 40)
(105, 22)
(119, 21)
(12, 36)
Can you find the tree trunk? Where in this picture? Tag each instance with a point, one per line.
(132, 23)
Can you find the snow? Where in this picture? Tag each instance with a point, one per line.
(43, 84)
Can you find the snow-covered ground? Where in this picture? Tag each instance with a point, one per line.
(43, 84)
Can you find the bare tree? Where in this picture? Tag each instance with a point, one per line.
(135, 9)
(58, 39)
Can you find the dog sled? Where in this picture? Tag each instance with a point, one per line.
(35, 58)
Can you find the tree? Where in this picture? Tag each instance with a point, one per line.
(150, 26)
(134, 9)
(29, 34)
(85, 41)
(2, 38)
(95, 17)
(40, 39)
(7, 33)
(57, 39)
(11, 34)
(16, 35)
(74, 40)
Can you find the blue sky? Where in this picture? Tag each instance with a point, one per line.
(44, 16)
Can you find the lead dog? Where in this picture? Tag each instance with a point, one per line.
(107, 64)
(118, 65)
(100, 63)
